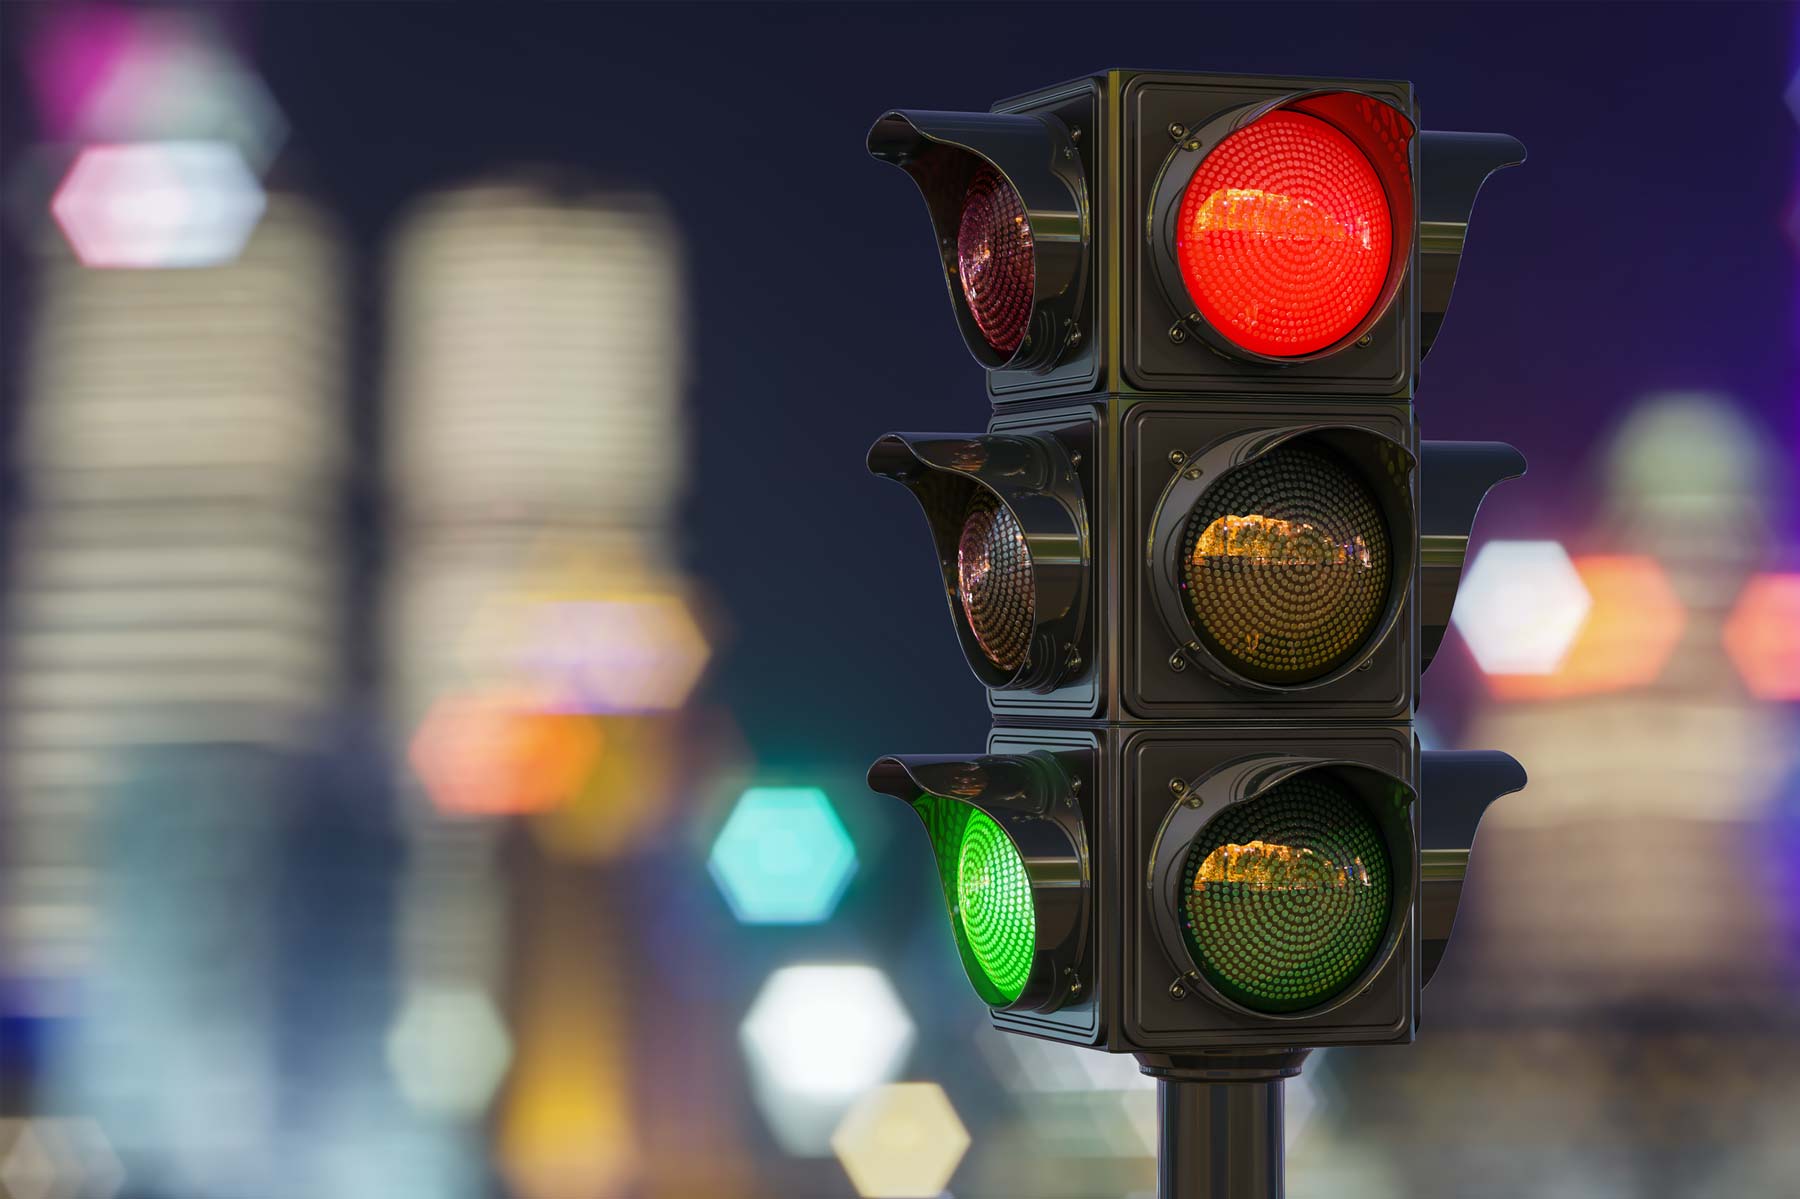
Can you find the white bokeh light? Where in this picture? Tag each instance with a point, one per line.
(816, 1037)
(1520, 606)
(158, 204)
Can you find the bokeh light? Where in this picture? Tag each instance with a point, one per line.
(58, 1158)
(901, 1141)
(628, 796)
(1762, 636)
(158, 204)
(448, 1050)
(1632, 627)
(115, 74)
(815, 1038)
(619, 653)
(492, 754)
(783, 856)
(1520, 606)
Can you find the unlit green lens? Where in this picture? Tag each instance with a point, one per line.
(993, 902)
(1287, 896)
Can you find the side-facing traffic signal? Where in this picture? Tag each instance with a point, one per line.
(1199, 559)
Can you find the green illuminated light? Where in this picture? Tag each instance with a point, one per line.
(1287, 896)
(992, 911)
(993, 902)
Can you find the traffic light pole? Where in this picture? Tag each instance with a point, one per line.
(1219, 1123)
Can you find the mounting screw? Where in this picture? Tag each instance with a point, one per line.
(1177, 663)
(1177, 991)
(1074, 982)
(1176, 457)
(1194, 145)
(1068, 151)
(1366, 340)
(1177, 334)
(1193, 472)
(1074, 133)
(1177, 787)
(1177, 130)
(1074, 337)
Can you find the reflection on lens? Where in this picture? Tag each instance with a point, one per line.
(995, 261)
(993, 572)
(1285, 236)
(1286, 565)
(993, 901)
(1287, 896)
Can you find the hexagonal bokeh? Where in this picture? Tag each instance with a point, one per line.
(1520, 606)
(901, 1141)
(490, 754)
(158, 204)
(783, 856)
(448, 1050)
(639, 652)
(1762, 636)
(815, 1038)
(1632, 627)
(109, 73)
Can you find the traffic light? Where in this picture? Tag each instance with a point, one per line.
(1199, 559)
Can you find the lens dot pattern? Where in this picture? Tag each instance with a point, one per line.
(993, 577)
(1286, 565)
(1286, 897)
(1284, 237)
(993, 902)
(994, 259)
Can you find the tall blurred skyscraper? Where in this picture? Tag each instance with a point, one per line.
(175, 577)
(173, 647)
(538, 639)
(1629, 871)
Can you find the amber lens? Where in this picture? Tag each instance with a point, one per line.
(1286, 565)
(993, 573)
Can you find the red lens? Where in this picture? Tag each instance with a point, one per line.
(1285, 237)
(994, 259)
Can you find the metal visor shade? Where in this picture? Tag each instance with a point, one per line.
(1008, 204)
(1285, 556)
(1009, 525)
(1012, 862)
(1282, 901)
(1281, 232)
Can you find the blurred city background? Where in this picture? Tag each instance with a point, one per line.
(445, 618)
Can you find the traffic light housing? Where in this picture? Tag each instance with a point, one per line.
(1199, 557)
(1093, 177)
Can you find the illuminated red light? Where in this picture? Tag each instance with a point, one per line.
(1285, 236)
(994, 259)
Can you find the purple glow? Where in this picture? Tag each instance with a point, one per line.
(77, 50)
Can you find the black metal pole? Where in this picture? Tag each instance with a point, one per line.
(1219, 1120)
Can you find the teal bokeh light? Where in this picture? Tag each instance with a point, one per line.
(783, 856)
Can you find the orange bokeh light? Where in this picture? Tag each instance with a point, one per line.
(1632, 627)
(492, 754)
(1762, 636)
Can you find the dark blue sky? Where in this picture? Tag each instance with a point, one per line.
(1638, 249)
